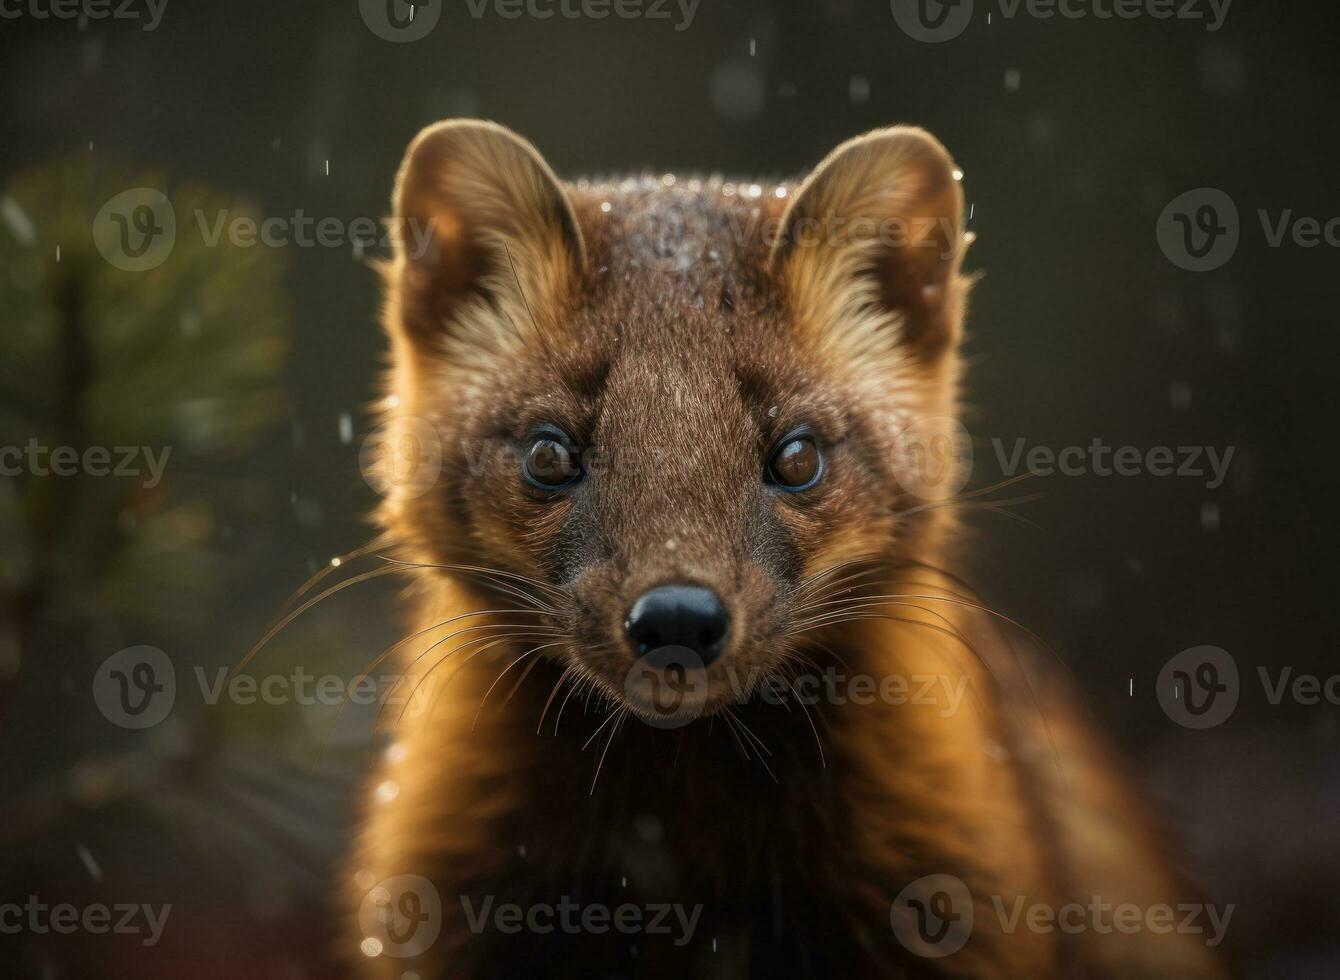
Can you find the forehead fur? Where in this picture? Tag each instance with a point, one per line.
(677, 273)
(679, 323)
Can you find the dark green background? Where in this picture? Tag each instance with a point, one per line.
(1079, 329)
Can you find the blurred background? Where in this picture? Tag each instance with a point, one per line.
(253, 365)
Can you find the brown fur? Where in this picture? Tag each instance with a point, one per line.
(682, 357)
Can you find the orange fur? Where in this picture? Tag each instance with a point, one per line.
(682, 353)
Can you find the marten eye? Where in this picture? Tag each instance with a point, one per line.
(550, 462)
(796, 463)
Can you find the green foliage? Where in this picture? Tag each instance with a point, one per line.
(183, 359)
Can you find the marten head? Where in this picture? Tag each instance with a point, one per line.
(672, 405)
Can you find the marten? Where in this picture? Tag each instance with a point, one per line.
(698, 693)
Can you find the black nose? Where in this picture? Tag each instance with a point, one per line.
(681, 616)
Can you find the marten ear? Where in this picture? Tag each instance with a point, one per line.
(870, 247)
(487, 245)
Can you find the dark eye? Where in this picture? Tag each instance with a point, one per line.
(550, 463)
(796, 463)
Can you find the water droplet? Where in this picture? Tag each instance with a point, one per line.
(859, 89)
(648, 828)
(737, 90)
(89, 862)
(1223, 70)
(17, 221)
(1179, 395)
(1209, 516)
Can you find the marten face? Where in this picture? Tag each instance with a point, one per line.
(673, 408)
